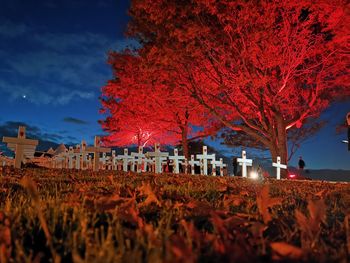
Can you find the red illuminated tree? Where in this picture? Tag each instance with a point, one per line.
(260, 67)
(148, 104)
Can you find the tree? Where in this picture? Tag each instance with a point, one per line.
(260, 67)
(125, 100)
(147, 104)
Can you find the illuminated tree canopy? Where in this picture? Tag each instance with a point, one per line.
(147, 104)
(258, 67)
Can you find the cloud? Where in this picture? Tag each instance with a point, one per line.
(82, 42)
(10, 128)
(54, 73)
(46, 139)
(12, 30)
(40, 95)
(75, 121)
(58, 68)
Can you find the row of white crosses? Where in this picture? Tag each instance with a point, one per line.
(78, 158)
(244, 162)
(157, 159)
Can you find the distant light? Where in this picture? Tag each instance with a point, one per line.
(24, 96)
(292, 176)
(254, 175)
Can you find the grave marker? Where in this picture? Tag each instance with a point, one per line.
(158, 158)
(125, 159)
(219, 164)
(278, 165)
(78, 154)
(71, 155)
(193, 163)
(148, 163)
(244, 162)
(21, 146)
(177, 160)
(104, 159)
(96, 150)
(114, 161)
(84, 155)
(204, 160)
(138, 159)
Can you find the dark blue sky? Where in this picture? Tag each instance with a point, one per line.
(53, 65)
(53, 61)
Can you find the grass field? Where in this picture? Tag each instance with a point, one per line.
(71, 216)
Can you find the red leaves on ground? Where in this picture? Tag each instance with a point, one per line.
(178, 218)
(310, 226)
(5, 238)
(264, 202)
(283, 250)
(146, 190)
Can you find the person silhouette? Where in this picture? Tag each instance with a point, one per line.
(301, 163)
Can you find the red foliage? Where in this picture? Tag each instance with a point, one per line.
(260, 67)
(147, 104)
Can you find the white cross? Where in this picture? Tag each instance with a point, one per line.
(114, 160)
(278, 165)
(126, 158)
(21, 146)
(138, 157)
(85, 156)
(158, 158)
(96, 150)
(204, 160)
(77, 155)
(148, 162)
(192, 163)
(220, 164)
(176, 161)
(244, 162)
(59, 161)
(89, 164)
(71, 155)
(104, 159)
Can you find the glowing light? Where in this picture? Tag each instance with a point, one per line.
(254, 175)
(24, 96)
(292, 176)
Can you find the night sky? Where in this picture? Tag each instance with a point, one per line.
(53, 65)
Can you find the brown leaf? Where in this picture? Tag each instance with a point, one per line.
(232, 200)
(286, 250)
(146, 190)
(302, 220)
(317, 210)
(264, 202)
(31, 187)
(192, 204)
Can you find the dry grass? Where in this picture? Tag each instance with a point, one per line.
(71, 216)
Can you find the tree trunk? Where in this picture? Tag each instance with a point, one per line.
(184, 141)
(279, 146)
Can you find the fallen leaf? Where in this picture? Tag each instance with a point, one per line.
(286, 250)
